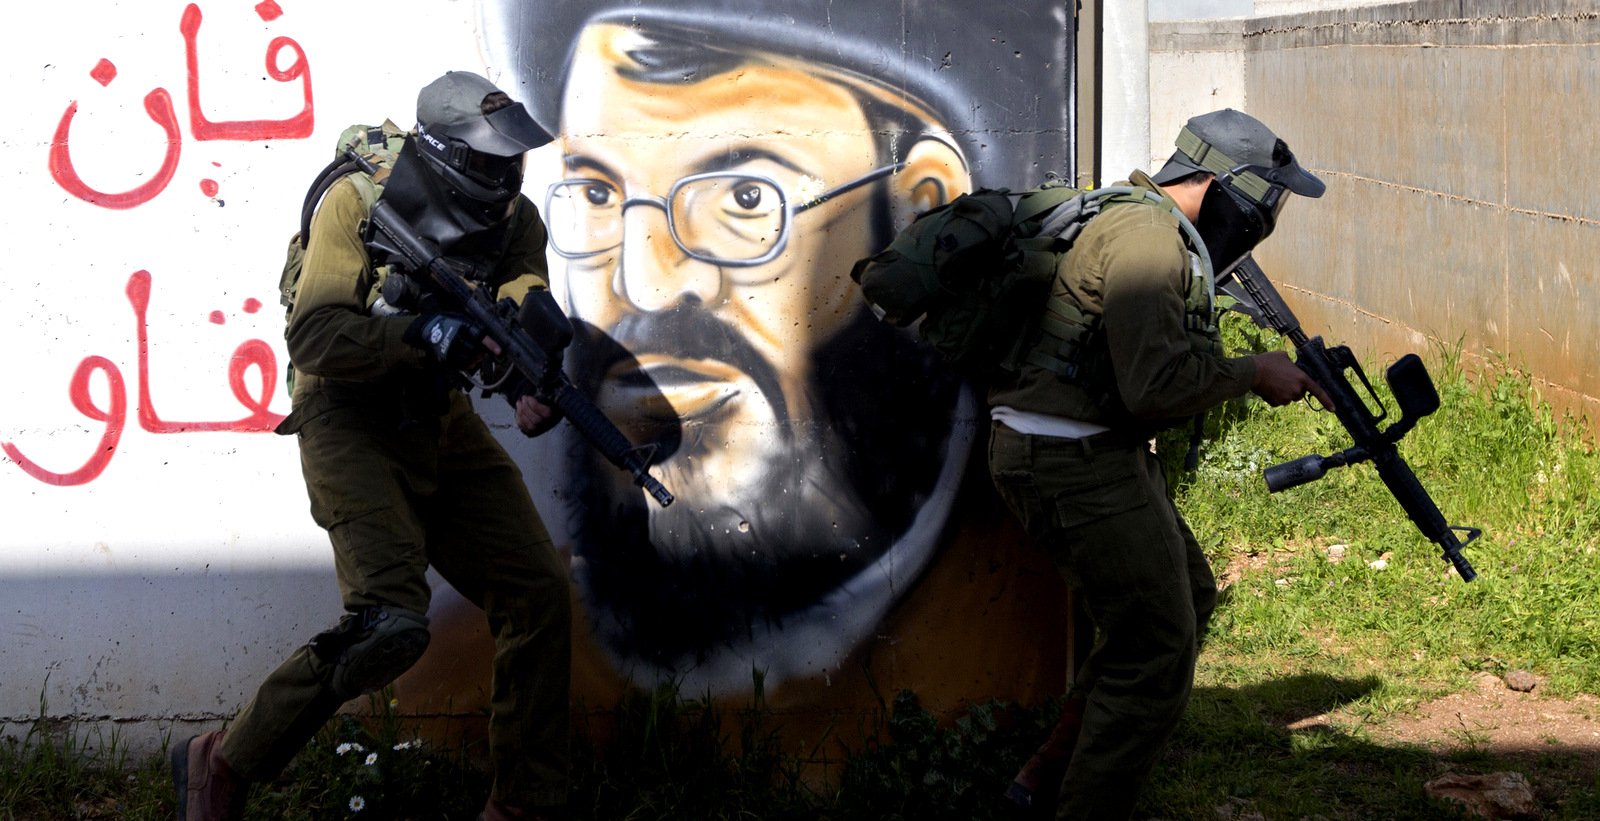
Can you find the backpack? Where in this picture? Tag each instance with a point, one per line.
(977, 271)
(379, 145)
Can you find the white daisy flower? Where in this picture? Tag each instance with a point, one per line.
(394, 703)
(344, 748)
(372, 758)
(357, 803)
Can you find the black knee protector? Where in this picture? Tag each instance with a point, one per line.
(370, 648)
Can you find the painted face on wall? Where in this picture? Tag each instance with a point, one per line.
(709, 228)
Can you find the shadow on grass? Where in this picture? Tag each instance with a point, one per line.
(1251, 749)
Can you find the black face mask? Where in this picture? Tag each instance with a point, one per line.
(457, 223)
(1233, 226)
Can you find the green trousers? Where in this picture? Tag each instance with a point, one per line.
(394, 501)
(1101, 509)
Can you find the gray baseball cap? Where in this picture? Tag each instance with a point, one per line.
(453, 103)
(1240, 151)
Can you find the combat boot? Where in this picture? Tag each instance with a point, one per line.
(1036, 786)
(207, 788)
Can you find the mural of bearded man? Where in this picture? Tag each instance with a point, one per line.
(723, 163)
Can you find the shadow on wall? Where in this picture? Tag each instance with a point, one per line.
(161, 650)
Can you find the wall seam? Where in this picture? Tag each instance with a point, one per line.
(1413, 46)
(1469, 200)
(1500, 363)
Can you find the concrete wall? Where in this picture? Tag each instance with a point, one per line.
(1456, 141)
(1195, 66)
(1451, 135)
(1265, 8)
(157, 557)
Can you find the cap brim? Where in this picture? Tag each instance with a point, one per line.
(1297, 179)
(1178, 166)
(505, 133)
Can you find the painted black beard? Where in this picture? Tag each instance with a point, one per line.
(671, 588)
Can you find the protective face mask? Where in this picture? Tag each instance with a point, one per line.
(457, 223)
(1233, 226)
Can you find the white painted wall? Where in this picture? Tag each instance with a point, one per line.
(169, 584)
(1125, 106)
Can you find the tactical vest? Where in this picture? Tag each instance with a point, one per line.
(1070, 339)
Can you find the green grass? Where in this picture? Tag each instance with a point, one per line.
(1294, 636)
(55, 770)
(1298, 636)
(1493, 456)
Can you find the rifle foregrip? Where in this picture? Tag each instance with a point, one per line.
(1294, 474)
(608, 440)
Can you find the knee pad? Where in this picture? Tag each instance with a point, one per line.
(370, 648)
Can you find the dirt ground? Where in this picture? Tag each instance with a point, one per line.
(1495, 719)
(1555, 741)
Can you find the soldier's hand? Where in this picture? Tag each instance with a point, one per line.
(452, 339)
(533, 416)
(1280, 381)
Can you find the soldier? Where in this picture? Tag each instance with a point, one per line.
(1071, 456)
(404, 475)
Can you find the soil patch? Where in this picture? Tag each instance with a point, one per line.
(1502, 721)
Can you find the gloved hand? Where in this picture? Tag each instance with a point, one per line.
(450, 338)
(538, 414)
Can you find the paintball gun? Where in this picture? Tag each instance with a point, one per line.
(394, 234)
(1413, 391)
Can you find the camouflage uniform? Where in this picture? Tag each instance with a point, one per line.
(1100, 506)
(403, 476)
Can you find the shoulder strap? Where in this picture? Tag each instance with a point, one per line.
(335, 171)
(1041, 200)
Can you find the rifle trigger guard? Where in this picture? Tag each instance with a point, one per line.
(1352, 364)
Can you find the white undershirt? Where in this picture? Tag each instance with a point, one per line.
(1042, 424)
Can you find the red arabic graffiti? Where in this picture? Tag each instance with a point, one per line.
(296, 127)
(114, 419)
(158, 104)
(250, 353)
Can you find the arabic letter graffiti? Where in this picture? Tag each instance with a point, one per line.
(250, 352)
(114, 418)
(158, 104)
(269, 10)
(258, 353)
(104, 72)
(297, 127)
